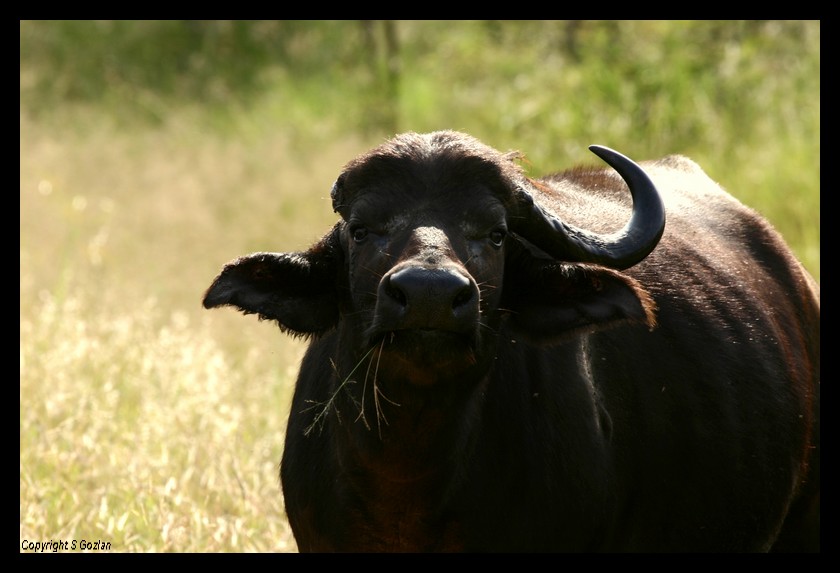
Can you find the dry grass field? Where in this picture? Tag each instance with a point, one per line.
(146, 421)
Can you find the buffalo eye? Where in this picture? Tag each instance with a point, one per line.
(497, 237)
(359, 234)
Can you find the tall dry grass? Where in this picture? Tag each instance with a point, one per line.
(146, 421)
(140, 433)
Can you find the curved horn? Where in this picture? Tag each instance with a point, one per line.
(619, 250)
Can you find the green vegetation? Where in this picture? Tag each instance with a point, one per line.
(152, 152)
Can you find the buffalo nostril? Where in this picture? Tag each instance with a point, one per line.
(463, 297)
(395, 293)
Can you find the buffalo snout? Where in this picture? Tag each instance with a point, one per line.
(436, 298)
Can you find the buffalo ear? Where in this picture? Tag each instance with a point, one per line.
(298, 290)
(550, 300)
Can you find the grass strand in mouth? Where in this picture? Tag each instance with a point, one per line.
(377, 392)
(329, 404)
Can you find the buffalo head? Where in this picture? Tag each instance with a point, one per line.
(442, 239)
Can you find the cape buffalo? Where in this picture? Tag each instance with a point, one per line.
(504, 363)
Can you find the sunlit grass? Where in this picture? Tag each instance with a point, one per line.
(137, 430)
(145, 420)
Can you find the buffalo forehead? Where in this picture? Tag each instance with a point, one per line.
(470, 212)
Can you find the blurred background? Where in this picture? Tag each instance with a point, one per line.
(152, 152)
